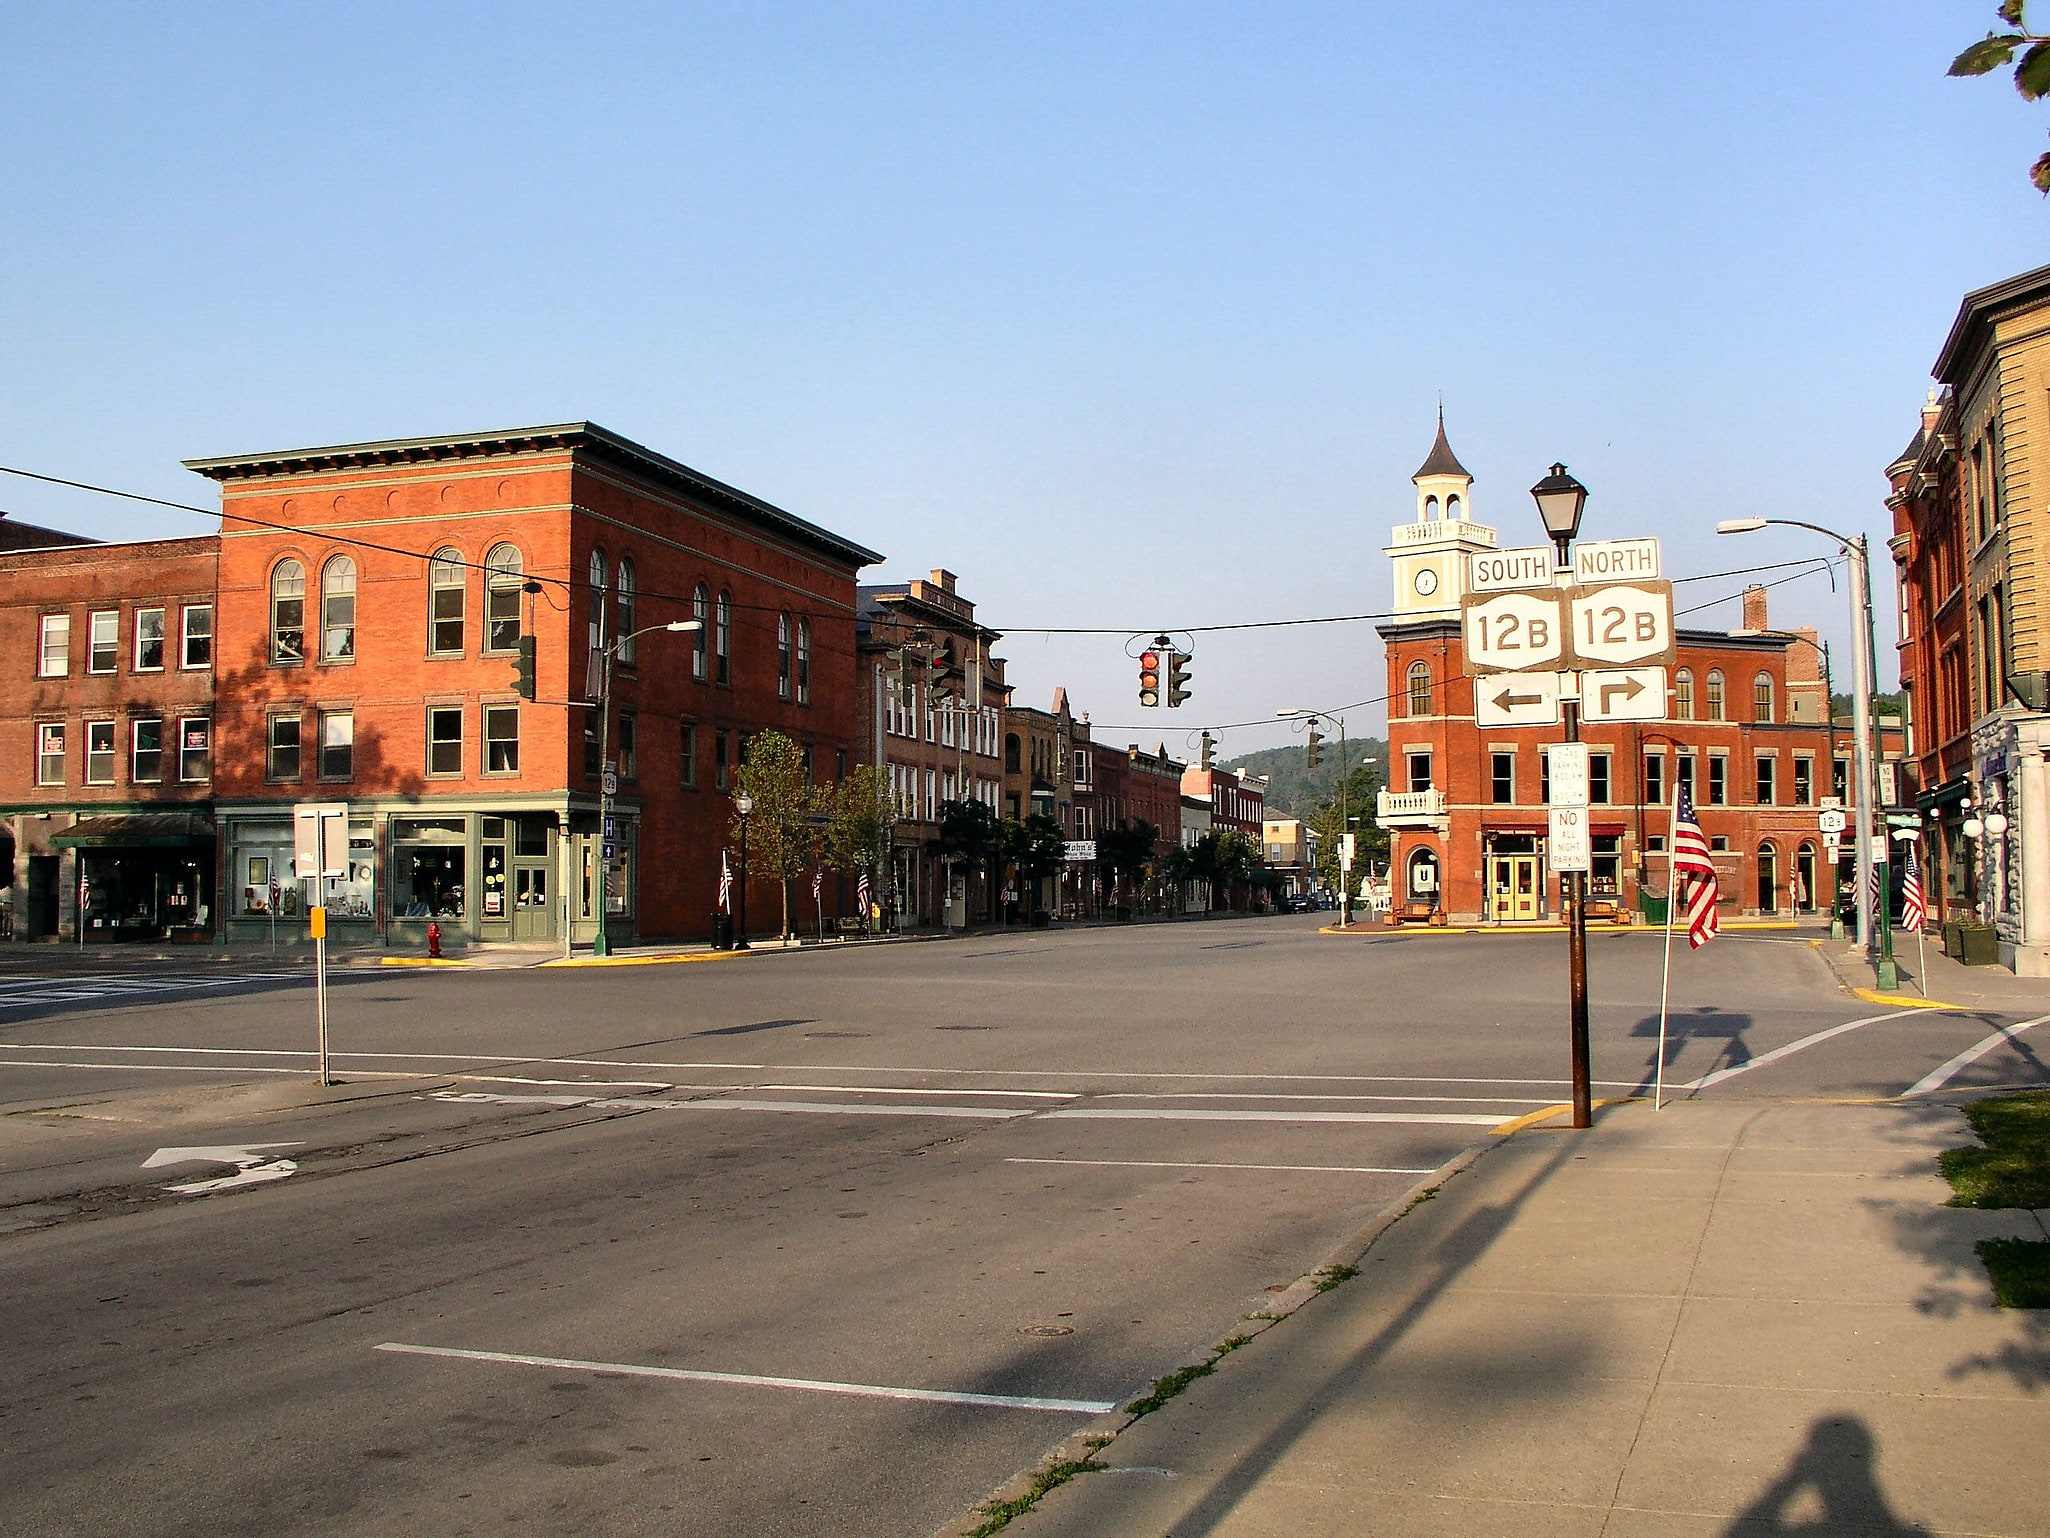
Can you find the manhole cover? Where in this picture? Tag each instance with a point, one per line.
(1046, 1331)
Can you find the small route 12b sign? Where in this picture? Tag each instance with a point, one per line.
(1622, 624)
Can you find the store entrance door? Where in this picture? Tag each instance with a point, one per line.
(1513, 888)
(534, 857)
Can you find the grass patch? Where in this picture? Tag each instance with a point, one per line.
(2013, 1169)
(1428, 1193)
(998, 1515)
(1166, 1388)
(2020, 1269)
(1331, 1276)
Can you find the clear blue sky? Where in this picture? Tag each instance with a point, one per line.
(1132, 315)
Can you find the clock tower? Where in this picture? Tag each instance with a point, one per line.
(1432, 555)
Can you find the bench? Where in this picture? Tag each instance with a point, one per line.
(847, 924)
(1606, 908)
(1417, 910)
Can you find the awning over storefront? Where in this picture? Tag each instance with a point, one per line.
(138, 830)
(1944, 795)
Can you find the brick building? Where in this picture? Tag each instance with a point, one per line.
(106, 736)
(371, 602)
(1748, 727)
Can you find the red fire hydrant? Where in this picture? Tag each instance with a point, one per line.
(434, 941)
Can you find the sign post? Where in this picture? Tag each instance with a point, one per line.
(320, 854)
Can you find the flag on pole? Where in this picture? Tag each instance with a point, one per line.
(1913, 914)
(818, 882)
(1872, 889)
(861, 895)
(725, 884)
(1694, 873)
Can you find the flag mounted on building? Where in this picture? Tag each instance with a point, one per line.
(1693, 873)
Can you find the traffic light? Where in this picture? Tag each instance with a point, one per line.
(523, 677)
(1209, 743)
(1177, 677)
(1316, 755)
(1149, 677)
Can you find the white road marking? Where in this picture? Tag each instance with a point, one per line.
(875, 1089)
(1163, 1164)
(1140, 1094)
(1789, 1050)
(511, 1078)
(756, 1380)
(251, 1167)
(1421, 1118)
(812, 1107)
(1965, 1059)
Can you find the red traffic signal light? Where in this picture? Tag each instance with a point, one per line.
(1149, 677)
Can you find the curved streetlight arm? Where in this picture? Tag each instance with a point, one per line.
(1752, 525)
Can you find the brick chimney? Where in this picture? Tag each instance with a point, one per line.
(943, 580)
(1754, 609)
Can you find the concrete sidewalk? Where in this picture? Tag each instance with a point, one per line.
(1724, 1318)
(1945, 979)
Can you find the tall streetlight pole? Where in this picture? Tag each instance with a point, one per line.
(1872, 872)
(601, 944)
(1313, 717)
(1560, 500)
(743, 804)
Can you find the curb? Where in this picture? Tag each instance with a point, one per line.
(1904, 1000)
(643, 961)
(1383, 931)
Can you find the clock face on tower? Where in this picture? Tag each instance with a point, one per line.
(1426, 581)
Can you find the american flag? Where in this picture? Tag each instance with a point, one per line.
(861, 895)
(1913, 914)
(725, 884)
(1694, 882)
(818, 881)
(1872, 891)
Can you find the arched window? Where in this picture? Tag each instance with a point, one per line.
(1430, 507)
(1452, 507)
(1768, 878)
(446, 595)
(804, 662)
(338, 610)
(1683, 695)
(722, 639)
(701, 642)
(1761, 697)
(597, 584)
(1419, 688)
(782, 656)
(502, 581)
(626, 609)
(1423, 875)
(1011, 762)
(1715, 694)
(288, 612)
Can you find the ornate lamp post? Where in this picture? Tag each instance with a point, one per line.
(743, 804)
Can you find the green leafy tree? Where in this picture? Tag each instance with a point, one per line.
(784, 829)
(1125, 850)
(969, 836)
(1177, 870)
(1035, 848)
(861, 826)
(1371, 838)
(2031, 71)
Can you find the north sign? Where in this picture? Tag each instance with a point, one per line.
(1616, 560)
(1516, 699)
(1514, 632)
(1623, 694)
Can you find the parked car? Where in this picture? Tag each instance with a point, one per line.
(1298, 902)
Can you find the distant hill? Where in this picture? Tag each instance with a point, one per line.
(1296, 791)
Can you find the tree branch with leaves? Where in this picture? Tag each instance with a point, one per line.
(2031, 71)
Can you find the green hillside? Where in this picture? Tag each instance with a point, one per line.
(1298, 792)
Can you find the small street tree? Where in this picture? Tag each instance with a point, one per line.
(1036, 848)
(1358, 802)
(782, 830)
(1123, 851)
(861, 826)
(969, 837)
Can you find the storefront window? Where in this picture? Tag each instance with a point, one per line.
(263, 877)
(428, 864)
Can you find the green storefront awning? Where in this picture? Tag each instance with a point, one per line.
(1944, 795)
(138, 830)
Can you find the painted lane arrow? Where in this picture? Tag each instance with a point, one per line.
(251, 1167)
(1506, 699)
(1630, 688)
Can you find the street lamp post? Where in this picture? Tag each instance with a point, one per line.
(601, 944)
(1312, 717)
(743, 804)
(1561, 499)
(1865, 665)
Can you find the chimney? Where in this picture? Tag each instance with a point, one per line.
(943, 580)
(1932, 408)
(1754, 608)
(1804, 657)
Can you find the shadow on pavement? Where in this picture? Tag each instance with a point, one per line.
(1831, 1487)
(1704, 1023)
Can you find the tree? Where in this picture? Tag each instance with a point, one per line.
(862, 825)
(1371, 838)
(783, 830)
(1178, 869)
(1037, 848)
(968, 835)
(1124, 850)
(2031, 75)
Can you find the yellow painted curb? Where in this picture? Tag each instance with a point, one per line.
(1904, 1000)
(643, 961)
(1532, 1118)
(420, 961)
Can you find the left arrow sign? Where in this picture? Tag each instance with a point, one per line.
(251, 1166)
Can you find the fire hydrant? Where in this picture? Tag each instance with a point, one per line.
(434, 941)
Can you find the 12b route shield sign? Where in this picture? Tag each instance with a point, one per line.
(1617, 625)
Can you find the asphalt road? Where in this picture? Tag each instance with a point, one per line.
(829, 1243)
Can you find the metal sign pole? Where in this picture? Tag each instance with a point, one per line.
(1576, 954)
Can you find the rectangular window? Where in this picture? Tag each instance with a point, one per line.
(1654, 779)
(284, 748)
(592, 761)
(502, 739)
(1545, 776)
(1606, 878)
(53, 655)
(445, 739)
(627, 756)
(687, 754)
(1767, 775)
(196, 636)
(1504, 773)
(146, 752)
(1683, 769)
(1419, 771)
(1840, 779)
(50, 753)
(195, 748)
(1718, 779)
(1804, 782)
(1654, 843)
(1598, 779)
(149, 640)
(103, 653)
(722, 761)
(445, 632)
(337, 744)
(99, 752)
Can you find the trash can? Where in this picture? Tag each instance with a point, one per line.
(1978, 946)
(722, 931)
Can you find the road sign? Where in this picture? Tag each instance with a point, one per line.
(1081, 850)
(609, 783)
(1622, 623)
(1347, 843)
(1516, 699)
(1623, 694)
(1616, 560)
(1567, 766)
(1879, 849)
(1904, 819)
(1498, 571)
(1514, 632)
(1831, 845)
(1569, 847)
(320, 838)
(611, 826)
(610, 851)
(1831, 820)
(1906, 835)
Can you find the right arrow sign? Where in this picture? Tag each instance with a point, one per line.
(1623, 694)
